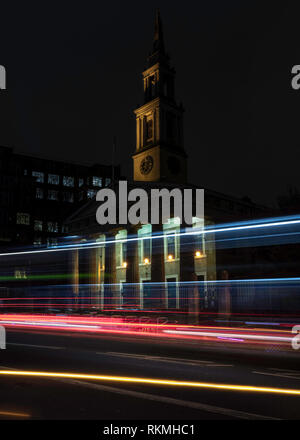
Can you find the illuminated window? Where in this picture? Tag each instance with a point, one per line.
(171, 241)
(171, 245)
(107, 181)
(145, 245)
(39, 176)
(53, 179)
(37, 241)
(97, 181)
(68, 181)
(52, 226)
(80, 182)
(23, 218)
(52, 195)
(38, 225)
(198, 225)
(20, 274)
(91, 193)
(39, 193)
(52, 242)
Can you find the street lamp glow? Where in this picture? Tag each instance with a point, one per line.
(198, 254)
(170, 257)
(125, 264)
(146, 261)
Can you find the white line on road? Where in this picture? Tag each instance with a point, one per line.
(193, 362)
(50, 347)
(169, 400)
(286, 376)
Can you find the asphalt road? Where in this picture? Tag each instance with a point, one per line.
(61, 398)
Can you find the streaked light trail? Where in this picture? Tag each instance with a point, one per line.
(243, 226)
(147, 381)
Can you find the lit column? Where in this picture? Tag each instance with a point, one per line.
(158, 267)
(84, 278)
(187, 274)
(110, 271)
(131, 289)
(75, 276)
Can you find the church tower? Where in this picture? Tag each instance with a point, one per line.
(160, 154)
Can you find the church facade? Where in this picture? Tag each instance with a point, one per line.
(152, 267)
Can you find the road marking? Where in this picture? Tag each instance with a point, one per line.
(193, 362)
(282, 370)
(148, 381)
(50, 347)
(169, 400)
(286, 376)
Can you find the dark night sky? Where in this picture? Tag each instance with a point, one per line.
(74, 78)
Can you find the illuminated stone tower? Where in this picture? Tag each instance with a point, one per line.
(160, 154)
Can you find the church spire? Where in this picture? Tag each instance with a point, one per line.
(160, 154)
(158, 53)
(158, 43)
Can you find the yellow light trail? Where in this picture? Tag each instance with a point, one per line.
(175, 383)
(13, 414)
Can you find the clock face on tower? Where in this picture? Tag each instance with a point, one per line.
(146, 165)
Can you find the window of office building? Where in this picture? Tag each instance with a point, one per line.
(52, 241)
(39, 193)
(64, 229)
(91, 193)
(39, 176)
(80, 182)
(52, 195)
(37, 241)
(38, 225)
(52, 226)
(68, 181)
(53, 179)
(97, 181)
(107, 181)
(68, 197)
(23, 218)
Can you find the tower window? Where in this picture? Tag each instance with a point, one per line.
(149, 129)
